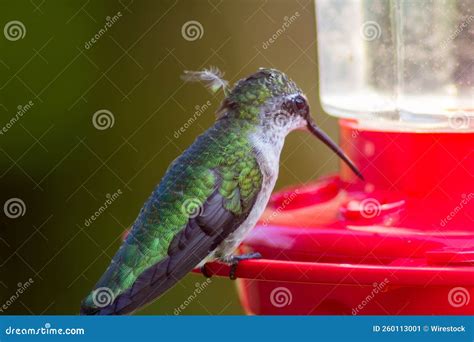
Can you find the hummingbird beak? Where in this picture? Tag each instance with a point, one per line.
(318, 133)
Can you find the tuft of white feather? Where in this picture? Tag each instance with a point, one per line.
(212, 78)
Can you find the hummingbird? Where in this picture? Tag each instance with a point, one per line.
(212, 195)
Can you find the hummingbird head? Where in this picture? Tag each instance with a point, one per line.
(270, 100)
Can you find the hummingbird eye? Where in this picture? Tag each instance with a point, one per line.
(300, 106)
(296, 105)
(300, 102)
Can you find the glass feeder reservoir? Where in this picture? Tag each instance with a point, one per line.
(398, 64)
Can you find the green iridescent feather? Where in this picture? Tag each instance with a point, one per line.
(188, 183)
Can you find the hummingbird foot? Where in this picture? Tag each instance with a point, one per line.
(205, 272)
(234, 260)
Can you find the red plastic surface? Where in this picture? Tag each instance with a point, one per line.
(400, 243)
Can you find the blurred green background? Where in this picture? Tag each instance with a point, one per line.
(63, 168)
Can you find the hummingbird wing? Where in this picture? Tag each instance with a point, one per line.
(204, 196)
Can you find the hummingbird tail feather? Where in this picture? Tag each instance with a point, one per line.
(188, 248)
(161, 277)
(89, 311)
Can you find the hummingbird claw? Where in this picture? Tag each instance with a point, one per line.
(233, 270)
(205, 272)
(235, 259)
